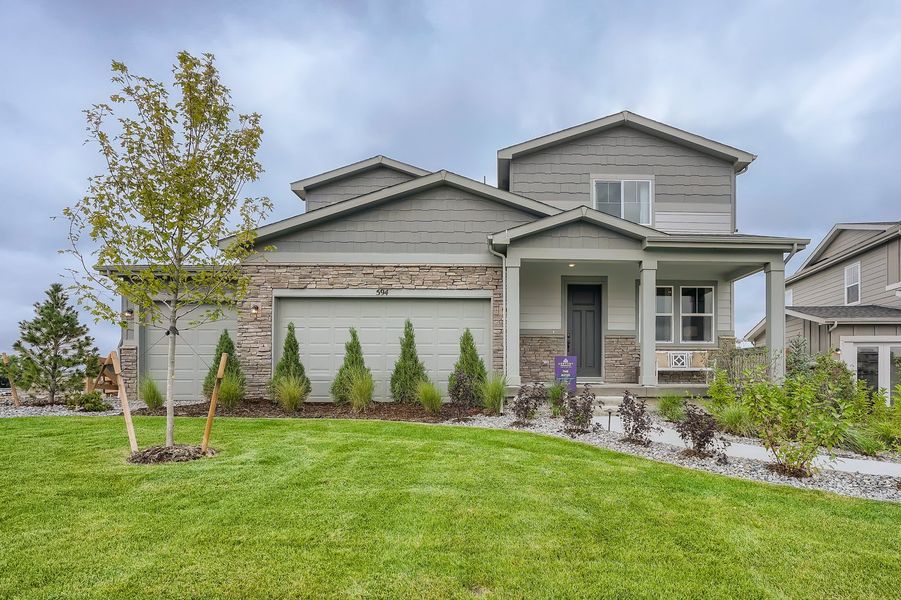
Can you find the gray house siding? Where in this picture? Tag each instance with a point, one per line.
(443, 220)
(693, 191)
(827, 288)
(580, 235)
(353, 186)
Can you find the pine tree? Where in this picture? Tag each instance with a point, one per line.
(353, 361)
(408, 370)
(55, 350)
(469, 362)
(233, 365)
(289, 364)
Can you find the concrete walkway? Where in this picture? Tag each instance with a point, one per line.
(754, 452)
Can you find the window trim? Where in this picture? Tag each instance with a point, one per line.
(621, 179)
(711, 314)
(671, 314)
(858, 283)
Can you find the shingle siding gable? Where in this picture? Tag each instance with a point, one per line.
(353, 186)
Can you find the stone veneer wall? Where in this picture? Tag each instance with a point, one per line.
(254, 336)
(128, 362)
(621, 359)
(536, 349)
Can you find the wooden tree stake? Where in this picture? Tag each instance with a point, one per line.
(213, 400)
(123, 399)
(12, 383)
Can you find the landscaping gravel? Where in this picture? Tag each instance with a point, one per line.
(873, 487)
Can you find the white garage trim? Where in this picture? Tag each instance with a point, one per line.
(379, 293)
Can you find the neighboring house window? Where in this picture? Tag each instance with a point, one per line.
(788, 297)
(664, 325)
(852, 284)
(696, 313)
(626, 199)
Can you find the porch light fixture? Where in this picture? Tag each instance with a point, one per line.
(571, 265)
(255, 309)
(129, 313)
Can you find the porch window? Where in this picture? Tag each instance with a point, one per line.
(664, 325)
(628, 199)
(696, 313)
(852, 284)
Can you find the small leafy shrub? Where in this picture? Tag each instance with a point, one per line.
(721, 392)
(360, 389)
(408, 370)
(493, 391)
(577, 411)
(637, 425)
(150, 393)
(862, 441)
(429, 396)
(794, 420)
(353, 362)
(290, 365)
(889, 433)
(231, 390)
(672, 407)
(232, 365)
(736, 419)
(526, 402)
(469, 362)
(88, 402)
(463, 392)
(699, 430)
(797, 357)
(555, 395)
(290, 391)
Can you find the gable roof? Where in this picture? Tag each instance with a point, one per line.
(580, 213)
(876, 226)
(436, 179)
(839, 315)
(739, 158)
(301, 186)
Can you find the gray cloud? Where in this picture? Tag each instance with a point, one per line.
(812, 88)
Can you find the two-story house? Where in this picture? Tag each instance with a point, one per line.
(614, 241)
(846, 297)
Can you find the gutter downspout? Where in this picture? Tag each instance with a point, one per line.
(503, 258)
(792, 253)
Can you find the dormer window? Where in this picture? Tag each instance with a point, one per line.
(628, 199)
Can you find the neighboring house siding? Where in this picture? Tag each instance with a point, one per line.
(844, 240)
(692, 190)
(827, 288)
(353, 186)
(442, 220)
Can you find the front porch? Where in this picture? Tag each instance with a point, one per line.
(585, 286)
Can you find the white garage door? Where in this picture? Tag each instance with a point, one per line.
(322, 326)
(194, 353)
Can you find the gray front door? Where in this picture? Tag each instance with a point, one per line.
(583, 335)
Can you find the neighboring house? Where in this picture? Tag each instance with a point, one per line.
(614, 241)
(846, 297)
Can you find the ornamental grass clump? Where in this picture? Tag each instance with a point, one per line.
(526, 402)
(555, 395)
(290, 392)
(577, 411)
(493, 390)
(672, 407)
(429, 396)
(353, 362)
(231, 390)
(408, 370)
(149, 393)
(637, 425)
(735, 419)
(360, 389)
(698, 429)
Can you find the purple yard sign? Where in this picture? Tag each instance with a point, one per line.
(565, 371)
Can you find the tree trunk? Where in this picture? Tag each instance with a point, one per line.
(170, 382)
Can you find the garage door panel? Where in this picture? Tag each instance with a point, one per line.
(323, 324)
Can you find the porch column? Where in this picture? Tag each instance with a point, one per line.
(512, 325)
(647, 343)
(775, 317)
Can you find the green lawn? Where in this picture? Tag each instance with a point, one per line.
(319, 508)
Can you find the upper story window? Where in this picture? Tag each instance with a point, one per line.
(852, 284)
(696, 313)
(628, 199)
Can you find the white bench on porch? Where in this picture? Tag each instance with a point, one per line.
(683, 361)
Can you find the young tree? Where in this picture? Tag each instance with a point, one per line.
(469, 362)
(55, 350)
(289, 365)
(165, 225)
(232, 366)
(408, 370)
(353, 363)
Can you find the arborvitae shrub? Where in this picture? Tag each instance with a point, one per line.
(408, 370)
(469, 362)
(290, 366)
(353, 361)
(232, 365)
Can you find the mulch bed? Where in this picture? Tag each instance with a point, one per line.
(166, 454)
(385, 411)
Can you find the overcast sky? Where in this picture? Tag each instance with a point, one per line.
(814, 89)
